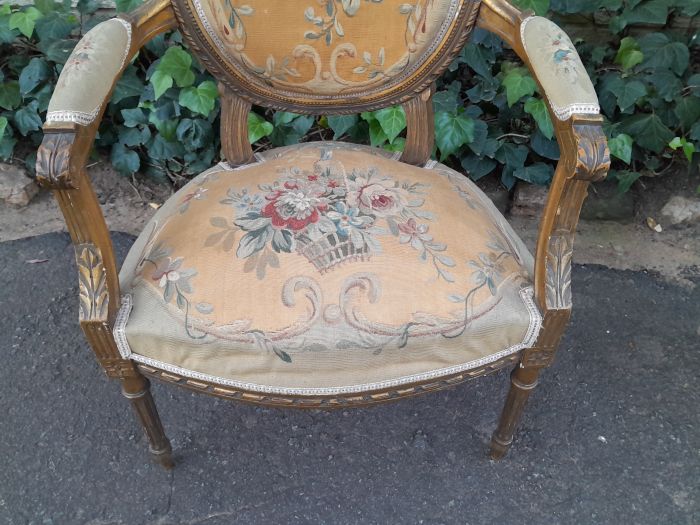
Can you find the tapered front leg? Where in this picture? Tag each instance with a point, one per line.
(522, 383)
(137, 390)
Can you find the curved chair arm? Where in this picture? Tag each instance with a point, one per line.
(75, 110)
(585, 158)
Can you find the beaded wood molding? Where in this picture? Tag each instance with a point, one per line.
(327, 402)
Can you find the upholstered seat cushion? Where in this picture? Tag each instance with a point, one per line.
(326, 268)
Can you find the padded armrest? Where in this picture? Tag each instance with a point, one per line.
(558, 67)
(90, 72)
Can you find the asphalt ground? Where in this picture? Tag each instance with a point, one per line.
(610, 435)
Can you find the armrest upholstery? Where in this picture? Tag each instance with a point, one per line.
(556, 63)
(92, 68)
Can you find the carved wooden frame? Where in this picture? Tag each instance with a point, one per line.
(61, 163)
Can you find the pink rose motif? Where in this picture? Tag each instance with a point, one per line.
(379, 198)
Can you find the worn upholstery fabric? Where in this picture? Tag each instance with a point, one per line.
(558, 67)
(89, 73)
(327, 48)
(326, 267)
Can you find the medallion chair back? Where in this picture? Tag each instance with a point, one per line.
(325, 274)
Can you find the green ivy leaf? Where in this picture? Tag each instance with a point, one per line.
(194, 133)
(280, 118)
(392, 120)
(134, 117)
(628, 93)
(452, 131)
(682, 143)
(629, 53)
(538, 173)
(53, 26)
(477, 167)
(3, 126)
(200, 99)
(176, 65)
(161, 83)
(377, 137)
(647, 12)
(124, 160)
(538, 109)
(540, 7)
(667, 84)
(9, 95)
(25, 20)
(340, 124)
(134, 136)
(511, 155)
(648, 131)
(27, 118)
(625, 179)
(35, 73)
(687, 110)
(518, 85)
(258, 127)
(660, 52)
(621, 147)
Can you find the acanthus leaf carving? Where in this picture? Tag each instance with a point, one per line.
(593, 155)
(94, 297)
(53, 161)
(558, 277)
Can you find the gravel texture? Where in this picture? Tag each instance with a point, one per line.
(610, 436)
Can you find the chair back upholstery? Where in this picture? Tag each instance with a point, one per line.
(326, 56)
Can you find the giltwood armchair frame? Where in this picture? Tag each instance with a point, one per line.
(61, 167)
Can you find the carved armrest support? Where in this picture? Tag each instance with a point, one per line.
(83, 90)
(573, 104)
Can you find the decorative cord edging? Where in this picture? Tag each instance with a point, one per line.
(534, 327)
(119, 330)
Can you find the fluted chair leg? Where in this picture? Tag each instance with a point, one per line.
(137, 390)
(523, 381)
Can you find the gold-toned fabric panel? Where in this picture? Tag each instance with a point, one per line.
(327, 265)
(326, 47)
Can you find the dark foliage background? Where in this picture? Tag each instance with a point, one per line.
(490, 119)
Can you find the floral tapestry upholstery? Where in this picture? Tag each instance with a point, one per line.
(326, 268)
(558, 67)
(326, 47)
(89, 73)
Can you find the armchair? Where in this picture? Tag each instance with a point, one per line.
(323, 275)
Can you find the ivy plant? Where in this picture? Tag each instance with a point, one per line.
(163, 118)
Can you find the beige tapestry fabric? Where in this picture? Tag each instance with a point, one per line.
(89, 73)
(325, 268)
(326, 47)
(558, 67)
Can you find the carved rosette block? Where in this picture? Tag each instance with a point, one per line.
(53, 161)
(118, 368)
(558, 277)
(593, 157)
(92, 283)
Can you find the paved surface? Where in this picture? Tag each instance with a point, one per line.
(611, 435)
